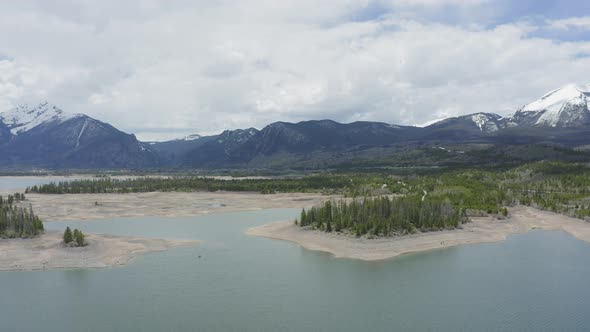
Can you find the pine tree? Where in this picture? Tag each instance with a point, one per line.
(68, 235)
(79, 238)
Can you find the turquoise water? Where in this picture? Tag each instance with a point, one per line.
(536, 281)
(531, 282)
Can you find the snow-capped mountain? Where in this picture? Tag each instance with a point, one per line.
(566, 107)
(563, 107)
(24, 118)
(46, 136)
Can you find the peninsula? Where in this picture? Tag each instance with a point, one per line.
(521, 219)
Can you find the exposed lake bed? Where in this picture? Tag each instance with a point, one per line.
(164, 204)
(88, 207)
(48, 252)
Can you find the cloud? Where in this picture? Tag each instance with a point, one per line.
(571, 23)
(163, 69)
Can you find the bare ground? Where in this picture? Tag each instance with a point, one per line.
(48, 252)
(165, 204)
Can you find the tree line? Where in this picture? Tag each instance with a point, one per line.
(17, 221)
(317, 183)
(383, 216)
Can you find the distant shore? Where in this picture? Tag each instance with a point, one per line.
(47, 252)
(479, 230)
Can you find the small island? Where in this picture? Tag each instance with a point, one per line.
(24, 244)
(48, 251)
(75, 238)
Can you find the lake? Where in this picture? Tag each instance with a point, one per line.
(233, 282)
(20, 183)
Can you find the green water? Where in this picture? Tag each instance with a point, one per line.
(536, 281)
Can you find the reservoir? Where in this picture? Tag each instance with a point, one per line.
(234, 282)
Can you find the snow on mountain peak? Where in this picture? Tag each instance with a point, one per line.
(191, 137)
(485, 122)
(24, 118)
(554, 103)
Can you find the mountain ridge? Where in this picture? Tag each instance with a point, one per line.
(47, 136)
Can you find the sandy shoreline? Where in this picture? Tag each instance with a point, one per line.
(81, 207)
(480, 230)
(47, 252)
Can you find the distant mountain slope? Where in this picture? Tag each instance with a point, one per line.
(45, 136)
(173, 152)
(4, 133)
(308, 136)
(470, 126)
(228, 148)
(237, 147)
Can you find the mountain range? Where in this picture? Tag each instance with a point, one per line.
(555, 126)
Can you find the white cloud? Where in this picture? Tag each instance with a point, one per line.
(437, 3)
(582, 22)
(170, 68)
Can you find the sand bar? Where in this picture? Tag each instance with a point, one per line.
(47, 251)
(480, 230)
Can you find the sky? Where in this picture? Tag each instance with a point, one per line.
(166, 69)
